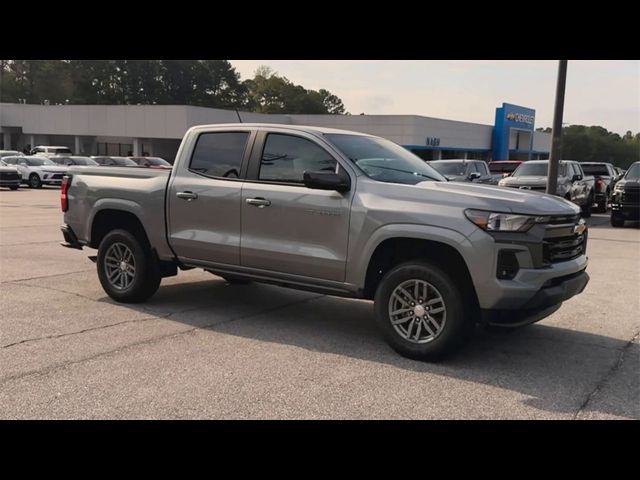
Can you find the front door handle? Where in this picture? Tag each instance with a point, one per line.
(258, 202)
(188, 196)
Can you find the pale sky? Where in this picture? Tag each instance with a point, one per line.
(605, 93)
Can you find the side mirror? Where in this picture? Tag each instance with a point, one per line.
(474, 175)
(339, 182)
(576, 177)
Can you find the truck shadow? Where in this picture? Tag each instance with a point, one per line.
(556, 367)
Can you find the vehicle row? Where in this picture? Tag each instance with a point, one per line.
(39, 170)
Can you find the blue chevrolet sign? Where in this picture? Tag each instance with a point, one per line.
(510, 117)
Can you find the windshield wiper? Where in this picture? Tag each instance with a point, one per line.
(404, 171)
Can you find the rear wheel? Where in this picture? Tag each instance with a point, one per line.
(617, 220)
(34, 181)
(421, 311)
(127, 269)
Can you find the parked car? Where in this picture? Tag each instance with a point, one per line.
(9, 176)
(49, 150)
(605, 176)
(152, 162)
(463, 170)
(337, 212)
(9, 153)
(114, 161)
(74, 160)
(37, 171)
(502, 168)
(625, 200)
(572, 182)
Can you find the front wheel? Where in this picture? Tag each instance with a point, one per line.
(586, 208)
(34, 181)
(617, 220)
(421, 311)
(127, 269)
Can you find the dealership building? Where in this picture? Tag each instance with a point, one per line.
(157, 130)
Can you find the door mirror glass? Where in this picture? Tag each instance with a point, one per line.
(474, 175)
(327, 181)
(576, 177)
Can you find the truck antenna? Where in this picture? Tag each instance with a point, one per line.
(238, 113)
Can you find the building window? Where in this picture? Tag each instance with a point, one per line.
(477, 155)
(451, 154)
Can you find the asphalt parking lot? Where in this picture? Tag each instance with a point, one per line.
(203, 349)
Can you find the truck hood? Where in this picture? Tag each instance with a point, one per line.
(530, 181)
(471, 195)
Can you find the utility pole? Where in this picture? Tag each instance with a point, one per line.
(556, 133)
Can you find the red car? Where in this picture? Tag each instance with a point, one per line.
(502, 168)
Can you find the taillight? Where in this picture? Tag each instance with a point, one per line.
(599, 185)
(64, 188)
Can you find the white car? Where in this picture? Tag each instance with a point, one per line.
(50, 150)
(9, 153)
(37, 171)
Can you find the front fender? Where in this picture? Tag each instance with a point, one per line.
(357, 268)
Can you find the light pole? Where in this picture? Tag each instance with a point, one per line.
(556, 133)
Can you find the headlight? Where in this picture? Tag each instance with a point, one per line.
(618, 188)
(503, 222)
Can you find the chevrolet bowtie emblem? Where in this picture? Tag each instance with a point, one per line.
(579, 229)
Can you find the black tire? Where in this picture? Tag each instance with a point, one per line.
(455, 329)
(586, 208)
(146, 278)
(233, 280)
(34, 181)
(602, 207)
(617, 220)
(14, 187)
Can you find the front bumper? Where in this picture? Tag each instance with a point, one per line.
(10, 183)
(543, 303)
(627, 210)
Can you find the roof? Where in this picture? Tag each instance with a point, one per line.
(280, 126)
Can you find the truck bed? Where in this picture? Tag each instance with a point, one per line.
(138, 190)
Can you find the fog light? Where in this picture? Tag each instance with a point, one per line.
(508, 265)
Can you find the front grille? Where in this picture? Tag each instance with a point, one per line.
(631, 195)
(561, 243)
(9, 176)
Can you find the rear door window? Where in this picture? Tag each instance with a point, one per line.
(219, 154)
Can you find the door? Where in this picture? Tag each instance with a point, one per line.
(287, 227)
(205, 197)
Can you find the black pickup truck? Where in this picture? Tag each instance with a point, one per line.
(605, 177)
(625, 200)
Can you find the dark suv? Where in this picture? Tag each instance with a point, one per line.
(605, 176)
(625, 200)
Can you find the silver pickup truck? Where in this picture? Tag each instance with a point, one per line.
(337, 212)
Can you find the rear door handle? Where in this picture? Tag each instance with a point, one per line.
(258, 202)
(188, 196)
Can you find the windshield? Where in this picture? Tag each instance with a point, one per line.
(503, 167)
(449, 168)
(633, 173)
(532, 169)
(124, 161)
(600, 170)
(38, 162)
(384, 160)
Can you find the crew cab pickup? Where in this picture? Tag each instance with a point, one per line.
(573, 184)
(337, 212)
